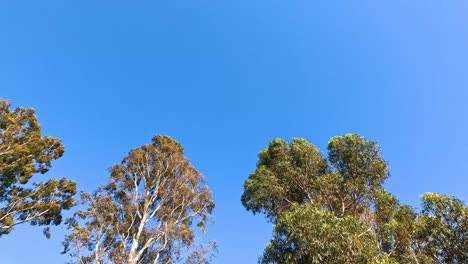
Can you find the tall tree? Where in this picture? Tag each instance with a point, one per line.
(146, 213)
(322, 206)
(23, 153)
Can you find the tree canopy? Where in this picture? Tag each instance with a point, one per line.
(442, 231)
(24, 152)
(334, 209)
(146, 213)
(325, 208)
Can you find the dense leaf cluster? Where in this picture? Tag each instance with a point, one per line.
(23, 153)
(334, 209)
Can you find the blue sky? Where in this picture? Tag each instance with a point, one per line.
(226, 77)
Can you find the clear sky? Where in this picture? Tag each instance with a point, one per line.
(226, 77)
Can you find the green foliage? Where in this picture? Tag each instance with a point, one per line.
(298, 172)
(23, 153)
(360, 169)
(307, 235)
(323, 209)
(335, 210)
(286, 174)
(442, 230)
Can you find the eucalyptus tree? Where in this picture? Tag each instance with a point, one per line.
(147, 211)
(329, 209)
(24, 152)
